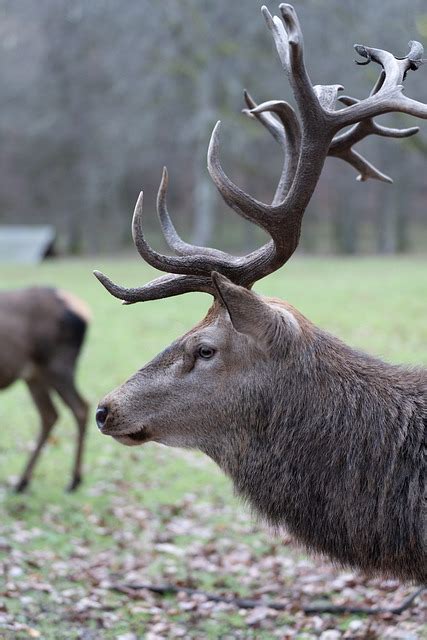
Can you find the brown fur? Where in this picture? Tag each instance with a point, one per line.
(327, 441)
(41, 333)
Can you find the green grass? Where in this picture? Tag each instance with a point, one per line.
(376, 304)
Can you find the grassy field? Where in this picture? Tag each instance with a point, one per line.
(143, 514)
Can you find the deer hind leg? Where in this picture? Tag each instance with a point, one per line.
(48, 414)
(63, 383)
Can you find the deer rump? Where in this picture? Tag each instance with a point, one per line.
(316, 436)
(37, 326)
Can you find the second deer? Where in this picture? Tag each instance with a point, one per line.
(41, 335)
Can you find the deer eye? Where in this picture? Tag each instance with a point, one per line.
(205, 352)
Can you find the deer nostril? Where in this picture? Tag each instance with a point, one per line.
(101, 417)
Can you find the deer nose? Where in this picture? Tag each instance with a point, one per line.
(101, 417)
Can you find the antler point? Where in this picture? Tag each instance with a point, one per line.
(137, 213)
(362, 50)
(248, 99)
(267, 17)
(165, 177)
(286, 8)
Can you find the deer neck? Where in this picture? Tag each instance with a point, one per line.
(321, 459)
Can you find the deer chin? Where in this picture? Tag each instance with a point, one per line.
(133, 439)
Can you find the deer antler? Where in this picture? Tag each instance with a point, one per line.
(306, 139)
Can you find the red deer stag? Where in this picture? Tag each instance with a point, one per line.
(315, 435)
(41, 333)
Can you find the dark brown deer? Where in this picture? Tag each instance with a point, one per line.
(41, 334)
(315, 435)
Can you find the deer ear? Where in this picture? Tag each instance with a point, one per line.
(248, 312)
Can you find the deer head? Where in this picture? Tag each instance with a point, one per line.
(219, 382)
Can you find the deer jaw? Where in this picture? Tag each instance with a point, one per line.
(192, 393)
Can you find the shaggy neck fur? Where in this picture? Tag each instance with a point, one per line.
(334, 447)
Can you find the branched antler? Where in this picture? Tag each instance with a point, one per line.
(306, 139)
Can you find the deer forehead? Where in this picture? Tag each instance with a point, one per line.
(217, 322)
(216, 327)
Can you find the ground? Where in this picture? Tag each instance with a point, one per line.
(158, 515)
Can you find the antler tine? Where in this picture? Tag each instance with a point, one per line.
(289, 42)
(368, 127)
(341, 145)
(269, 122)
(241, 202)
(162, 287)
(195, 265)
(362, 165)
(268, 217)
(155, 259)
(379, 83)
(386, 95)
(287, 134)
(392, 132)
(291, 126)
(170, 234)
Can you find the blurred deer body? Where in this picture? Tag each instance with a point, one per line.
(316, 436)
(41, 334)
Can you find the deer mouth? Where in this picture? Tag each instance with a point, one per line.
(132, 439)
(138, 436)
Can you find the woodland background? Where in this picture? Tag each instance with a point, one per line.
(97, 96)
